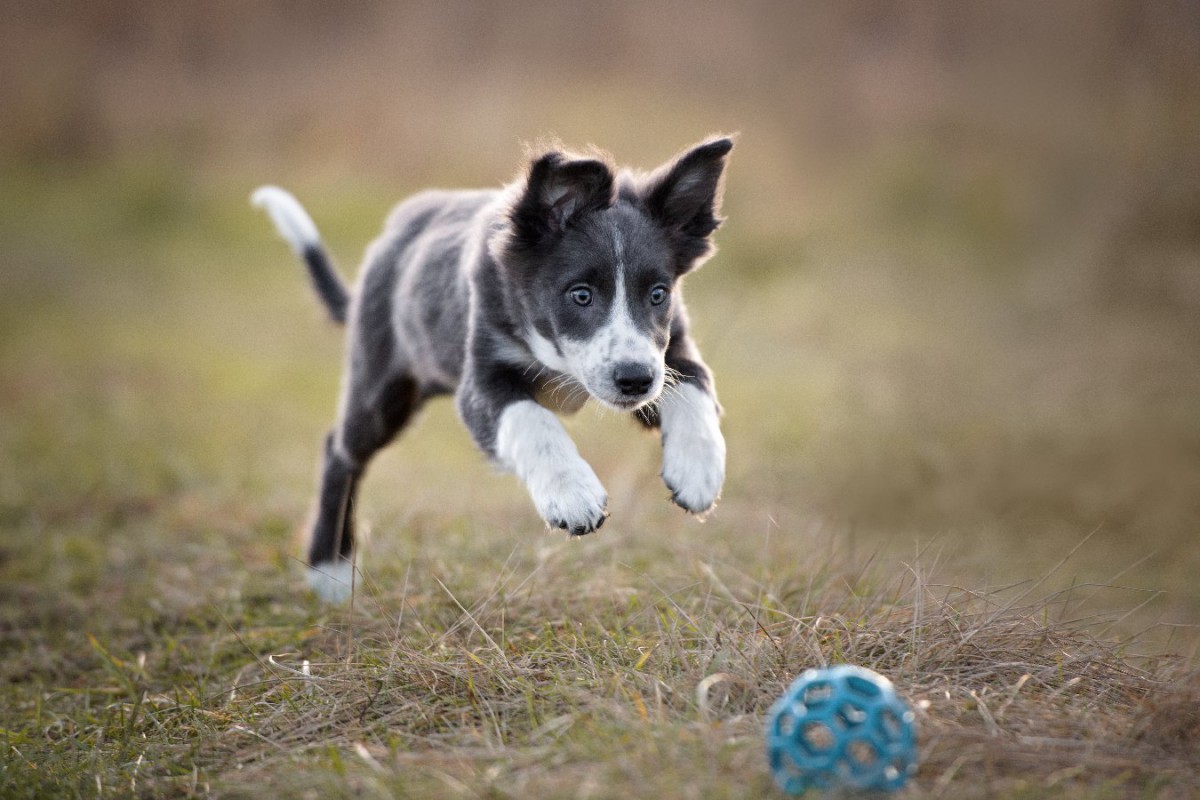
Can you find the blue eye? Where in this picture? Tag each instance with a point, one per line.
(582, 295)
(658, 295)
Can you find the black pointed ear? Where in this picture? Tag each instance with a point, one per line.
(684, 196)
(559, 191)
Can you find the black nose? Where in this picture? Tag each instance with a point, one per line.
(633, 378)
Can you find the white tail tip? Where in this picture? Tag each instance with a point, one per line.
(291, 220)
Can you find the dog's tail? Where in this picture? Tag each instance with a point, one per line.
(297, 228)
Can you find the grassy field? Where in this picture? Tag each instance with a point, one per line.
(984, 488)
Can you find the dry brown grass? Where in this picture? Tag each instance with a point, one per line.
(550, 682)
(962, 236)
(154, 633)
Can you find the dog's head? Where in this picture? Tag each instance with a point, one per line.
(594, 258)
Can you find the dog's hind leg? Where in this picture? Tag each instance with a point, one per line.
(330, 548)
(369, 421)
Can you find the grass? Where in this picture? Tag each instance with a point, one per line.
(1012, 545)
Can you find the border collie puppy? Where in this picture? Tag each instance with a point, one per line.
(522, 302)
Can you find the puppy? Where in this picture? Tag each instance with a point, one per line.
(524, 301)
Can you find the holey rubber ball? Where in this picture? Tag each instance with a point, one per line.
(841, 726)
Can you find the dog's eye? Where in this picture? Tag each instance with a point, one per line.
(582, 295)
(658, 295)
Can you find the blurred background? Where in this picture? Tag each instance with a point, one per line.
(955, 315)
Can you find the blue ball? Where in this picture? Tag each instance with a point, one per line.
(841, 726)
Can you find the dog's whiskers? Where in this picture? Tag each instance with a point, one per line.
(560, 382)
(541, 370)
(674, 376)
(564, 390)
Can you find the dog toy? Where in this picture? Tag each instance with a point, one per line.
(841, 726)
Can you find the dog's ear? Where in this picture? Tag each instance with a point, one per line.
(684, 195)
(559, 191)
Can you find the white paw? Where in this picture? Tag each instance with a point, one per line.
(694, 470)
(570, 496)
(693, 449)
(332, 581)
(532, 443)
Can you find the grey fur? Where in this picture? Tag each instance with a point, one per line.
(480, 293)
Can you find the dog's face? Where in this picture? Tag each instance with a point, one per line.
(594, 266)
(601, 306)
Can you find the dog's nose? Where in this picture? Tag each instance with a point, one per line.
(633, 378)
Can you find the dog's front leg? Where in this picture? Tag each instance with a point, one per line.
(693, 447)
(529, 440)
(532, 443)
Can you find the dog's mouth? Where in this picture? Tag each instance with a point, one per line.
(619, 401)
(567, 398)
(622, 387)
(629, 404)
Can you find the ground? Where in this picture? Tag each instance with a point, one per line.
(983, 487)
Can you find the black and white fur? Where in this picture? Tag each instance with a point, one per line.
(523, 301)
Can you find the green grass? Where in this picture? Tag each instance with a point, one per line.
(979, 486)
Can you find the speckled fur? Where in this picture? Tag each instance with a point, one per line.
(557, 288)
